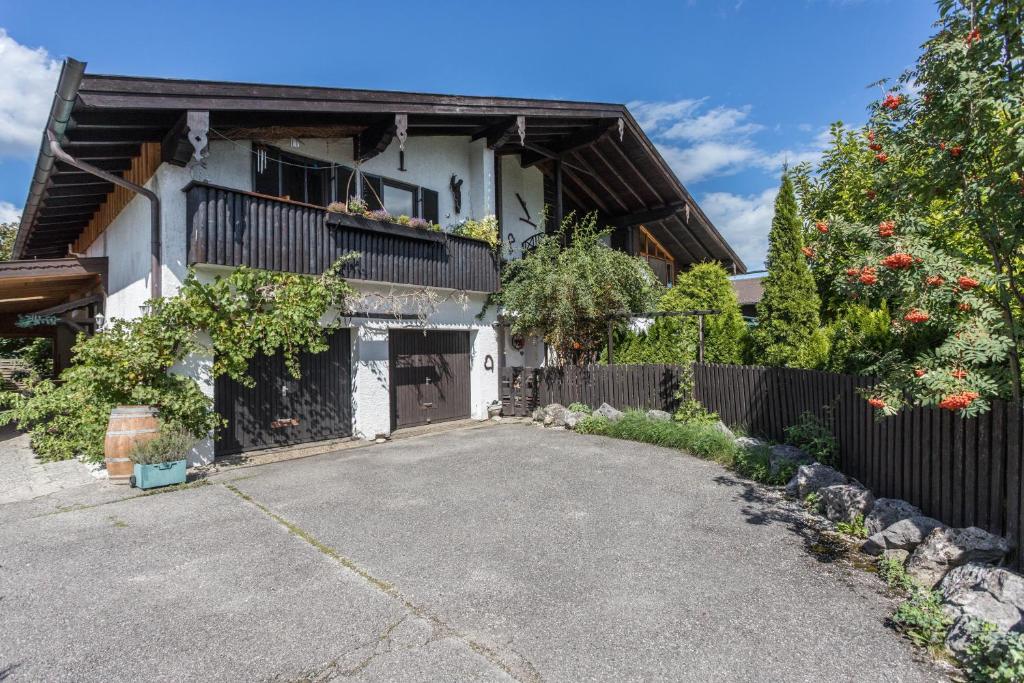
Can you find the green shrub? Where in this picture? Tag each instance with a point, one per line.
(814, 437)
(812, 501)
(754, 463)
(485, 229)
(855, 528)
(922, 619)
(993, 655)
(172, 444)
(895, 575)
(697, 438)
(690, 409)
(580, 408)
(593, 424)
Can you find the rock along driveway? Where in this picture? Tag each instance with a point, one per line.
(493, 553)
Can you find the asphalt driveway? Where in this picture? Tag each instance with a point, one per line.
(492, 553)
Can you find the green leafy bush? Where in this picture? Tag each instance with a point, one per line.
(815, 438)
(922, 619)
(580, 408)
(565, 288)
(171, 444)
(697, 438)
(674, 340)
(754, 463)
(690, 409)
(812, 501)
(855, 528)
(993, 655)
(895, 575)
(245, 313)
(485, 229)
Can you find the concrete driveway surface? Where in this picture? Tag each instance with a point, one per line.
(506, 552)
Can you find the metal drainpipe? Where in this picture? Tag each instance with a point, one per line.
(154, 207)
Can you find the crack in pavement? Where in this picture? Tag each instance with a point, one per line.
(521, 669)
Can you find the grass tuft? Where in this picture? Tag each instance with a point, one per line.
(699, 438)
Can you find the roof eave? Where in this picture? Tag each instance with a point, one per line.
(70, 79)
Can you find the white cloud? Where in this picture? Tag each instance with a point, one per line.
(9, 213)
(744, 221)
(699, 144)
(709, 159)
(719, 122)
(27, 81)
(650, 115)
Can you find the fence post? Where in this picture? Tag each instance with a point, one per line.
(611, 351)
(700, 338)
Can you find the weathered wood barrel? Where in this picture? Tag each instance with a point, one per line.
(128, 426)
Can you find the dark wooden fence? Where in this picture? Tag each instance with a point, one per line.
(622, 386)
(966, 472)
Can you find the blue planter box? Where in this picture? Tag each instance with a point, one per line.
(161, 474)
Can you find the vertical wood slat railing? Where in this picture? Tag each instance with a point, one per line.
(966, 472)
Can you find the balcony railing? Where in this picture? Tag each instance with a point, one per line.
(230, 227)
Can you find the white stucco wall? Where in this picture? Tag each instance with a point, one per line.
(529, 183)
(126, 240)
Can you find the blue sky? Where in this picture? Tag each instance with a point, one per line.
(728, 89)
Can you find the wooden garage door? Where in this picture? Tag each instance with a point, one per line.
(281, 410)
(429, 376)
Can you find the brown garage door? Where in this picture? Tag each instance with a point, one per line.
(281, 410)
(429, 376)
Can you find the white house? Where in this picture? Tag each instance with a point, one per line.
(139, 180)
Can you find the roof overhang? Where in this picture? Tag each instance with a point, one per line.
(46, 285)
(608, 163)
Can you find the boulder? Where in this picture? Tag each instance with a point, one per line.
(784, 454)
(812, 478)
(843, 502)
(905, 534)
(555, 415)
(888, 511)
(658, 416)
(538, 415)
(572, 419)
(720, 427)
(896, 554)
(973, 592)
(609, 413)
(750, 442)
(944, 548)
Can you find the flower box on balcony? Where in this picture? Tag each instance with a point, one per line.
(351, 220)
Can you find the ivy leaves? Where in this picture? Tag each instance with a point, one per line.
(236, 317)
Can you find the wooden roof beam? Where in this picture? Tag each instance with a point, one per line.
(651, 215)
(500, 133)
(580, 138)
(377, 137)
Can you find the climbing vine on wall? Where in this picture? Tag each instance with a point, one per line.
(233, 317)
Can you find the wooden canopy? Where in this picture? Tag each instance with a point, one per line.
(607, 164)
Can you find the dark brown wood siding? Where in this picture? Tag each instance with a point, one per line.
(430, 376)
(319, 403)
(235, 228)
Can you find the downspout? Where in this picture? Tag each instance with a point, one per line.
(154, 207)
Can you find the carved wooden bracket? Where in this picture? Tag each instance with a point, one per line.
(188, 141)
(402, 129)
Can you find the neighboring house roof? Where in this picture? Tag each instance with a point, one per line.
(748, 290)
(609, 164)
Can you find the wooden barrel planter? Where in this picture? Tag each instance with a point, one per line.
(128, 426)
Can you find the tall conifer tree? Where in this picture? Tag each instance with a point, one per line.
(787, 315)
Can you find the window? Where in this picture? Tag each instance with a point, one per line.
(400, 199)
(282, 174)
(659, 258)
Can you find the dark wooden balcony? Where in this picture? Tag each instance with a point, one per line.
(229, 227)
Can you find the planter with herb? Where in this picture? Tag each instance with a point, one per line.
(161, 461)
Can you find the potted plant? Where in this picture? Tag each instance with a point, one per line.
(161, 461)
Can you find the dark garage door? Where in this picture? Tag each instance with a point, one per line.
(429, 376)
(281, 410)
